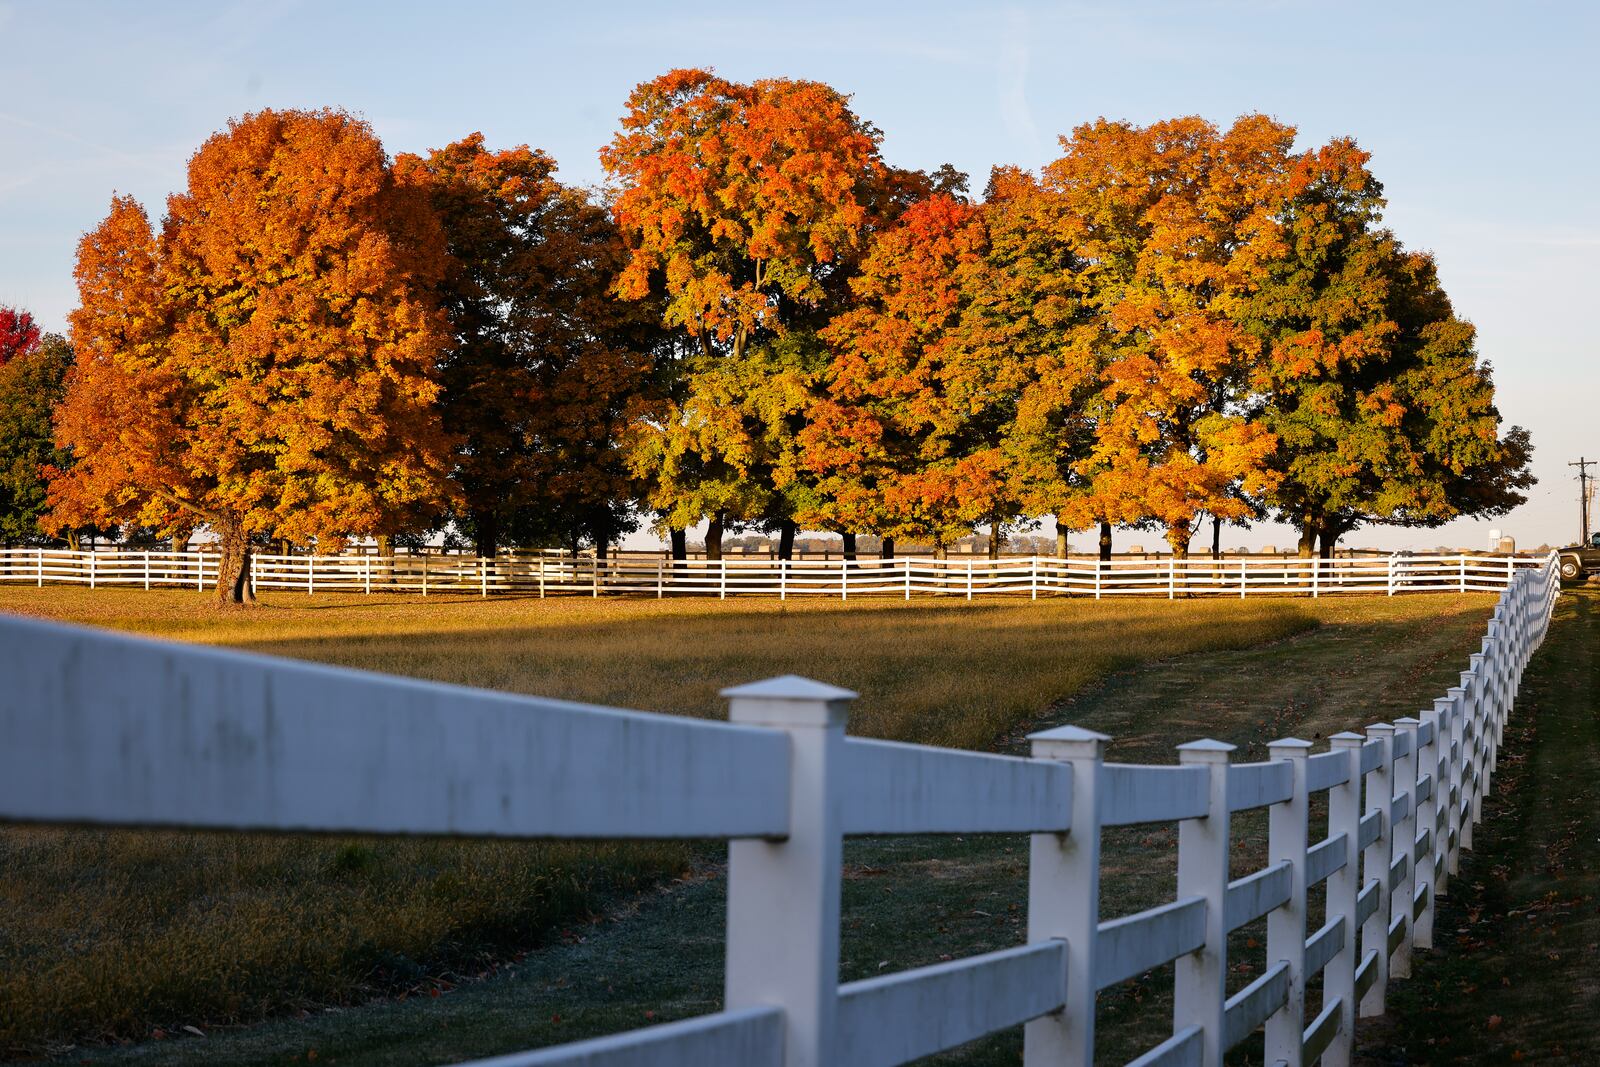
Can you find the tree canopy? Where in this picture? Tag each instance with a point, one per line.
(268, 364)
(757, 322)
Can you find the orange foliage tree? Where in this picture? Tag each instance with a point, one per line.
(1369, 380)
(267, 366)
(744, 207)
(907, 434)
(1173, 221)
(547, 366)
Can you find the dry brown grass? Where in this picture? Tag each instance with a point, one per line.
(108, 933)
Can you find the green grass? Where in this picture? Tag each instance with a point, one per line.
(119, 934)
(1515, 974)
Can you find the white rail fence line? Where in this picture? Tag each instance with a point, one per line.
(104, 728)
(547, 575)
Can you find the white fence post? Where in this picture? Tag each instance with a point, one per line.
(783, 579)
(311, 573)
(1200, 992)
(1172, 577)
(722, 579)
(92, 557)
(1286, 925)
(1033, 572)
(1244, 571)
(38, 555)
(1427, 835)
(1458, 759)
(906, 563)
(1499, 658)
(1064, 900)
(1316, 573)
(970, 564)
(598, 563)
(661, 579)
(426, 553)
(147, 572)
(1099, 564)
(1405, 847)
(1482, 704)
(1391, 576)
(1375, 870)
(1344, 889)
(783, 895)
(1463, 565)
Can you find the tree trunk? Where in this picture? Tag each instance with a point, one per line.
(887, 550)
(1105, 542)
(941, 550)
(1178, 536)
(385, 557)
(233, 569)
(849, 545)
(1328, 542)
(1061, 539)
(486, 541)
(1308, 535)
(714, 536)
(1216, 537)
(995, 538)
(680, 543)
(786, 532)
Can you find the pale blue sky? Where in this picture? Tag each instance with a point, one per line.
(1481, 119)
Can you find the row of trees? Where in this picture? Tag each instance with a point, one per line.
(760, 324)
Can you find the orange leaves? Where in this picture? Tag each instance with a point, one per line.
(740, 196)
(273, 354)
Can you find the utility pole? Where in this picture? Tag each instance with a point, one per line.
(1583, 497)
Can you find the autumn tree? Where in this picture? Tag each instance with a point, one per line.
(32, 381)
(1173, 220)
(267, 366)
(19, 334)
(547, 366)
(1371, 383)
(745, 207)
(907, 435)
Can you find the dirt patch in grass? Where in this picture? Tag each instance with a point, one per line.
(1244, 672)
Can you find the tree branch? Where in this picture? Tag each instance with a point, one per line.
(178, 501)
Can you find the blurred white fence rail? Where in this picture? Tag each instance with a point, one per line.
(103, 728)
(551, 574)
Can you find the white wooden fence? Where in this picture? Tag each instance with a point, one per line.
(103, 728)
(549, 574)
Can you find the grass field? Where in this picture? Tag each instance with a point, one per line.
(121, 934)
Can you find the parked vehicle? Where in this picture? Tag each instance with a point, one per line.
(1578, 560)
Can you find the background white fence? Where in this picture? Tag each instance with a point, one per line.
(103, 728)
(553, 574)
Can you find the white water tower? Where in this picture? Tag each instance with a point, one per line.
(1494, 540)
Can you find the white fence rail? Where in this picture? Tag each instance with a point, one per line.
(103, 728)
(550, 574)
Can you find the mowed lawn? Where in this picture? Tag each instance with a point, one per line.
(117, 935)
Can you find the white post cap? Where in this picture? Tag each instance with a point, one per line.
(789, 700)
